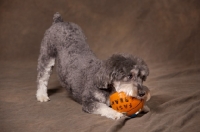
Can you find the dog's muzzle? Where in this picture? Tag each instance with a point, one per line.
(141, 91)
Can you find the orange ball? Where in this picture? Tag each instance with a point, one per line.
(126, 104)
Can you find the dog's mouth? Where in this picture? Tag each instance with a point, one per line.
(130, 89)
(140, 92)
(143, 93)
(127, 88)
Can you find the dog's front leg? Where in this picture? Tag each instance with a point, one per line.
(103, 110)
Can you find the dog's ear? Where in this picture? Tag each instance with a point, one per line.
(105, 75)
(112, 69)
(103, 78)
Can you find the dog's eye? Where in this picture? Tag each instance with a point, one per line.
(130, 76)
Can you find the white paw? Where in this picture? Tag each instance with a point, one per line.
(42, 97)
(108, 112)
(118, 116)
(112, 114)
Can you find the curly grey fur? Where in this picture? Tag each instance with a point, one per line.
(79, 71)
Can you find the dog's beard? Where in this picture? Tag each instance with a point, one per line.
(126, 87)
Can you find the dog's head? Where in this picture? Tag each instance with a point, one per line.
(125, 73)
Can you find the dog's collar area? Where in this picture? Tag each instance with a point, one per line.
(134, 115)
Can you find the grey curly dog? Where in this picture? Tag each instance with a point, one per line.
(88, 79)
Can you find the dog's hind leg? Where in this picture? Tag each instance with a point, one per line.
(46, 62)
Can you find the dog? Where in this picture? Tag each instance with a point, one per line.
(89, 80)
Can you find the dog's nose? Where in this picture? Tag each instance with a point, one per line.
(141, 91)
(141, 94)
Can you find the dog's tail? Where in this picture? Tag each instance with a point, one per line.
(57, 18)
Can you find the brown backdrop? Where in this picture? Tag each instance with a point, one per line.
(166, 34)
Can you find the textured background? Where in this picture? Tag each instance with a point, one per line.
(154, 30)
(166, 34)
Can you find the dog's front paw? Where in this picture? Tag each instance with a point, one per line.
(114, 115)
(42, 97)
(108, 112)
(118, 116)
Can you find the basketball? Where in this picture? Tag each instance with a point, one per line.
(126, 104)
